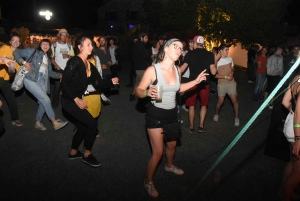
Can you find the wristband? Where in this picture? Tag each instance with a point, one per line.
(145, 94)
(296, 125)
(297, 137)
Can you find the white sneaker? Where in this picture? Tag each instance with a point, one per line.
(174, 169)
(58, 124)
(236, 122)
(40, 126)
(216, 118)
(184, 108)
(151, 189)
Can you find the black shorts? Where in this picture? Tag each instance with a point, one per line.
(157, 117)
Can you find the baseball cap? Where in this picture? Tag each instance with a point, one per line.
(62, 31)
(199, 40)
(222, 46)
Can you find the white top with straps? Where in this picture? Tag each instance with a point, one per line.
(169, 91)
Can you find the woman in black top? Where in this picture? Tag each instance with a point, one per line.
(78, 76)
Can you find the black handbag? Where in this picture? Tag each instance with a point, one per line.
(172, 131)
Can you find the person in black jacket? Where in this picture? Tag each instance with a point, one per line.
(141, 60)
(78, 77)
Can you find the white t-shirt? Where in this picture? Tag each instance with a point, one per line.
(59, 50)
(112, 54)
(154, 55)
(225, 67)
(186, 73)
(224, 61)
(44, 65)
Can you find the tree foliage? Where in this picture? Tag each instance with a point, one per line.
(248, 22)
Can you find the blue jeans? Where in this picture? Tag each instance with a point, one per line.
(39, 91)
(260, 78)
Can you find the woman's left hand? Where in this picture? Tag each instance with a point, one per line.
(115, 80)
(7, 61)
(201, 77)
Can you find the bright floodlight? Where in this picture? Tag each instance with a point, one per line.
(47, 14)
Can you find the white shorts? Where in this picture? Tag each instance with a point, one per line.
(288, 128)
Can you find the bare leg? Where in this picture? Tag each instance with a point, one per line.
(292, 180)
(266, 95)
(157, 145)
(170, 152)
(235, 105)
(219, 104)
(202, 115)
(191, 116)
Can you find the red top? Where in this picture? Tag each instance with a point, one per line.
(263, 62)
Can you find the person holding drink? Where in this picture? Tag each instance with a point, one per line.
(6, 71)
(161, 82)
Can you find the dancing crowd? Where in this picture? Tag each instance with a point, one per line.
(167, 76)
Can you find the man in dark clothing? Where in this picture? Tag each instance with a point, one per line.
(289, 61)
(132, 71)
(141, 60)
(105, 60)
(198, 60)
(250, 64)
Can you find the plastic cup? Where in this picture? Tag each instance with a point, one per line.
(11, 68)
(159, 93)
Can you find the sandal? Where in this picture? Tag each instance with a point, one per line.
(17, 123)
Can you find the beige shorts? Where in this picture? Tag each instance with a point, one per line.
(226, 88)
(139, 75)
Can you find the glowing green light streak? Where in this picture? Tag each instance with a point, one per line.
(235, 140)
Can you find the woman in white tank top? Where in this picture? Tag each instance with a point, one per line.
(160, 114)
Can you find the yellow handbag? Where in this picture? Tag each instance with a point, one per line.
(94, 104)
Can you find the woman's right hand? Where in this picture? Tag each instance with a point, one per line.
(81, 103)
(28, 66)
(201, 77)
(152, 92)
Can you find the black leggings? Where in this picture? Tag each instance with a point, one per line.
(11, 100)
(86, 124)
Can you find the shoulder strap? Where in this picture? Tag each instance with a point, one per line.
(155, 81)
(30, 58)
(178, 74)
(69, 45)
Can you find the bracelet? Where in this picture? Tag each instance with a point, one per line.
(297, 138)
(225, 77)
(145, 94)
(24, 62)
(296, 125)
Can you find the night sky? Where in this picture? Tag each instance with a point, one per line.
(84, 14)
(292, 17)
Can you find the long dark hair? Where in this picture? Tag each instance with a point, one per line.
(161, 54)
(79, 41)
(49, 52)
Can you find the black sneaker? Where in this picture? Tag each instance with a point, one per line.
(131, 97)
(212, 92)
(190, 130)
(91, 160)
(76, 156)
(201, 130)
